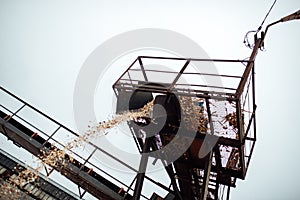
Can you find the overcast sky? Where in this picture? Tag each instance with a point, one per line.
(45, 43)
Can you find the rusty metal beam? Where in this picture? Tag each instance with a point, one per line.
(248, 69)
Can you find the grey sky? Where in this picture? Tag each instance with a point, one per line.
(45, 43)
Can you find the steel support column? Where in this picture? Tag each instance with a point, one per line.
(206, 177)
(142, 170)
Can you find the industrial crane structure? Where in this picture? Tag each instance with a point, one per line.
(216, 148)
